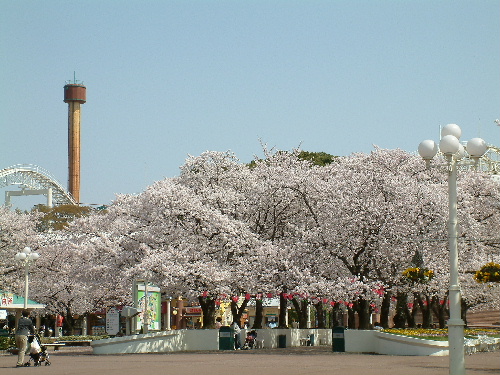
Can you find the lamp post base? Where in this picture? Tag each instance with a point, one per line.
(456, 346)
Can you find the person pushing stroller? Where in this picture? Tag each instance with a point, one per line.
(24, 328)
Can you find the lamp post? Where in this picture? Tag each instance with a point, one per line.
(455, 154)
(26, 257)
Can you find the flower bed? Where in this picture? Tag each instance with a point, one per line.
(441, 334)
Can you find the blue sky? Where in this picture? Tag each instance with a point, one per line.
(170, 78)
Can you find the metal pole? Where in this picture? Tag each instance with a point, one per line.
(26, 266)
(49, 197)
(455, 323)
(146, 313)
(167, 315)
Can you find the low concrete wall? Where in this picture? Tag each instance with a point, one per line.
(202, 339)
(359, 341)
(388, 343)
(159, 342)
(356, 341)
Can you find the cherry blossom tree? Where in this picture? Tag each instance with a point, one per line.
(17, 230)
(342, 233)
(181, 242)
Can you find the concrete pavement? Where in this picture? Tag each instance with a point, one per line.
(289, 361)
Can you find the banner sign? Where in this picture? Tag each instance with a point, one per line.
(193, 311)
(6, 299)
(150, 305)
(112, 321)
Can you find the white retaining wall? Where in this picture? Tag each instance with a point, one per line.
(359, 341)
(159, 342)
(201, 339)
(356, 341)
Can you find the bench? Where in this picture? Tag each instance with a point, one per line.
(75, 342)
(54, 345)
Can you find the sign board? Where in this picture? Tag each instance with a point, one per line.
(6, 299)
(112, 321)
(193, 311)
(149, 304)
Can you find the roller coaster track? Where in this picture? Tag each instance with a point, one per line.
(33, 177)
(491, 160)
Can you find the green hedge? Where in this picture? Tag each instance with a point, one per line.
(6, 342)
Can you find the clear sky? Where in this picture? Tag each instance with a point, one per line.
(170, 78)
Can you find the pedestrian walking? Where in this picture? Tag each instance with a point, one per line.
(24, 328)
(236, 329)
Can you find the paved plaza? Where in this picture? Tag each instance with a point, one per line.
(290, 361)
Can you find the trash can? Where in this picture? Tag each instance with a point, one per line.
(281, 341)
(338, 339)
(226, 338)
(311, 339)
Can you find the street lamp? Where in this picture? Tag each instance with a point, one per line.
(26, 257)
(455, 154)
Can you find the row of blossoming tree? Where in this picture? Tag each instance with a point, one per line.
(363, 233)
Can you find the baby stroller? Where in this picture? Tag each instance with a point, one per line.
(38, 352)
(250, 340)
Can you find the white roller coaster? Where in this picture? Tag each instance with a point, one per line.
(34, 180)
(490, 162)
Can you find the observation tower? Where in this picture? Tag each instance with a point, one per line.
(75, 94)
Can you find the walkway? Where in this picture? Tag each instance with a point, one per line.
(290, 361)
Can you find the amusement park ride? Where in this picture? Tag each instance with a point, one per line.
(34, 180)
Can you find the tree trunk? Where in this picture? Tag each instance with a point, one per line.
(301, 309)
(439, 310)
(463, 311)
(426, 309)
(337, 316)
(411, 315)
(400, 314)
(351, 318)
(320, 315)
(363, 308)
(259, 314)
(385, 309)
(282, 314)
(238, 311)
(68, 323)
(207, 305)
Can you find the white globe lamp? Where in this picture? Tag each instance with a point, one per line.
(427, 149)
(451, 129)
(476, 147)
(449, 145)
